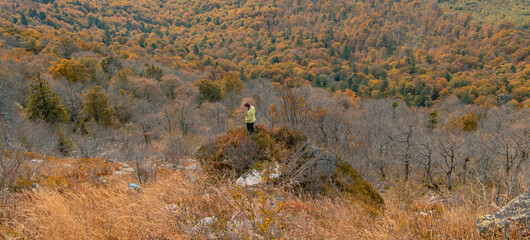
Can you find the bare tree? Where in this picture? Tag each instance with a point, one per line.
(403, 147)
(35, 136)
(124, 105)
(512, 149)
(450, 150)
(214, 116)
(72, 98)
(177, 147)
(293, 109)
(184, 108)
(147, 120)
(167, 115)
(377, 121)
(485, 154)
(425, 149)
(169, 85)
(185, 114)
(12, 155)
(139, 155)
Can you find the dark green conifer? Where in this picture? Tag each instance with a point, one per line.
(96, 106)
(432, 121)
(43, 102)
(64, 143)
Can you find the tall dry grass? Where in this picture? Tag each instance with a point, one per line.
(173, 207)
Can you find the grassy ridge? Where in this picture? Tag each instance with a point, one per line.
(493, 11)
(175, 207)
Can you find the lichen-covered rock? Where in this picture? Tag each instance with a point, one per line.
(283, 156)
(512, 219)
(325, 161)
(256, 176)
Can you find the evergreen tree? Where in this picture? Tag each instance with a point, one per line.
(422, 99)
(208, 91)
(346, 51)
(43, 103)
(23, 19)
(385, 84)
(432, 121)
(96, 106)
(64, 143)
(466, 98)
(196, 49)
(242, 76)
(151, 71)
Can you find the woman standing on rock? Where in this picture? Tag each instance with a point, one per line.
(250, 118)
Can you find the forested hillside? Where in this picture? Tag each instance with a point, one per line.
(419, 51)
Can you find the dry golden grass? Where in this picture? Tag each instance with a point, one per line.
(173, 207)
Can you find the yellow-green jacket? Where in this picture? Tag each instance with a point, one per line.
(251, 115)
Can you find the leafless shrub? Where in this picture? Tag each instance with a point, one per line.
(299, 172)
(242, 157)
(146, 169)
(140, 157)
(12, 156)
(87, 146)
(177, 147)
(35, 136)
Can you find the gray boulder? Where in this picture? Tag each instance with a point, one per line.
(325, 161)
(514, 218)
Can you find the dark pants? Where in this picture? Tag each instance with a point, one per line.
(250, 128)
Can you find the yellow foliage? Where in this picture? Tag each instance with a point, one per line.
(231, 82)
(351, 94)
(72, 70)
(469, 121)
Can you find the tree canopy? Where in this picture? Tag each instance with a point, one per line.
(418, 51)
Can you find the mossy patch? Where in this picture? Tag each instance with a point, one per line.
(20, 184)
(351, 185)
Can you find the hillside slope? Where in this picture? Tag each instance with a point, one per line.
(417, 51)
(93, 200)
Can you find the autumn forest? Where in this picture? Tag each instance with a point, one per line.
(428, 101)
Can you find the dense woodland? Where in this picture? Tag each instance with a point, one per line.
(417, 51)
(429, 93)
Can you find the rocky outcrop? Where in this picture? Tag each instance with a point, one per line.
(125, 169)
(284, 157)
(255, 177)
(325, 162)
(513, 220)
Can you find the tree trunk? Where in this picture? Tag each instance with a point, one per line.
(449, 180)
(407, 169)
(429, 171)
(464, 174)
